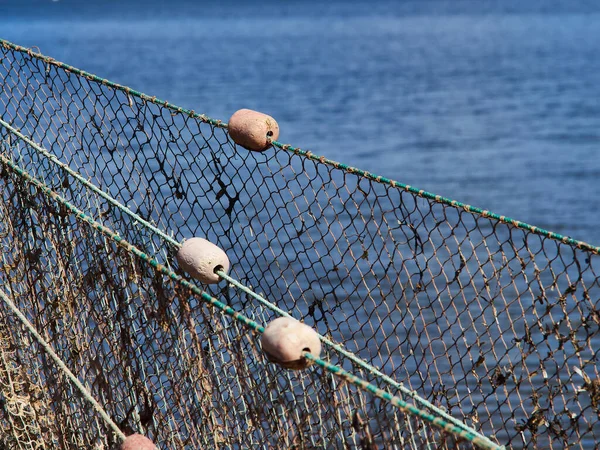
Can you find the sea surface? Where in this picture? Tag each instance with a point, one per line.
(496, 104)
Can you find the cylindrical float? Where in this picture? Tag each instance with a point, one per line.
(284, 341)
(201, 258)
(137, 442)
(253, 130)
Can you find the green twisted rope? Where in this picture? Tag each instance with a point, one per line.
(254, 326)
(308, 154)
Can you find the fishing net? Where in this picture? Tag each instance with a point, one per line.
(492, 321)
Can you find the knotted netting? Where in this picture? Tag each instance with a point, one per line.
(493, 322)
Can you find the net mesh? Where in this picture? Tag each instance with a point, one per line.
(498, 325)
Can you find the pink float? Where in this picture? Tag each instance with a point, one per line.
(253, 130)
(201, 258)
(284, 341)
(137, 442)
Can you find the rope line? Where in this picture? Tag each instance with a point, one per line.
(308, 154)
(59, 362)
(357, 360)
(336, 370)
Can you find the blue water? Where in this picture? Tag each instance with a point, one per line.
(496, 104)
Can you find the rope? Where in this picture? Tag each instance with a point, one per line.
(59, 362)
(368, 367)
(308, 154)
(336, 370)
